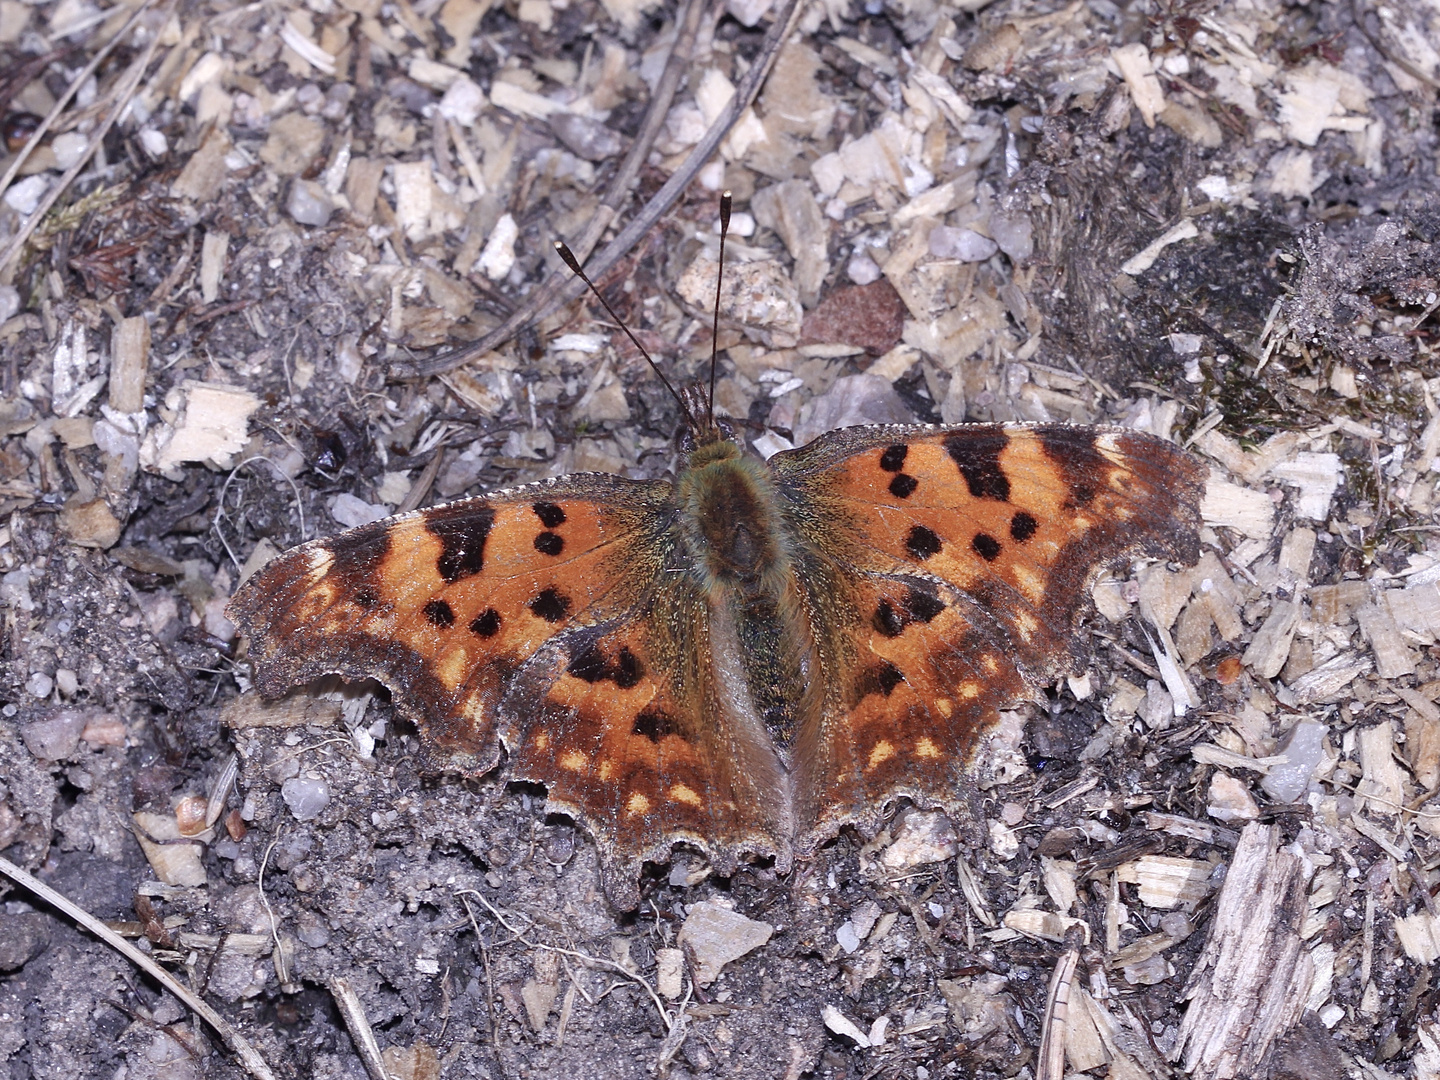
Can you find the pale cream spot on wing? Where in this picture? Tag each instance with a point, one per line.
(685, 794)
(881, 752)
(969, 691)
(990, 664)
(1030, 582)
(1080, 523)
(542, 741)
(925, 748)
(637, 804)
(1027, 624)
(321, 560)
(944, 707)
(453, 668)
(606, 769)
(572, 760)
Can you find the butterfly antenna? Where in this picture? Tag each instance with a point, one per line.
(568, 257)
(719, 279)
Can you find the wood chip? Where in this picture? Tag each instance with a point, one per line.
(1253, 978)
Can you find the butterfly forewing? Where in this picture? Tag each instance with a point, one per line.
(969, 552)
(443, 606)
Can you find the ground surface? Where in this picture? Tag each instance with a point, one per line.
(210, 343)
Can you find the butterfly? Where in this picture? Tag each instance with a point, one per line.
(748, 656)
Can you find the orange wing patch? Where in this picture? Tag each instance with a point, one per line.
(970, 552)
(444, 605)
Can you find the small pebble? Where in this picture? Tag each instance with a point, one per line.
(25, 196)
(306, 798)
(862, 269)
(9, 301)
(154, 142)
(39, 685)
(1015, 235)
(1303, 748)
(55, 736)
(69, 148)
(309, 204)
(714, 935)
(964, 244)
(350, 511)
(462, 102)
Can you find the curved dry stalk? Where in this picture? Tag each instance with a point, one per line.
(561, 289)
(249, 1057)
(598, 961)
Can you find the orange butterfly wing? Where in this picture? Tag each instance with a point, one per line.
(966, 556)
(550, 619)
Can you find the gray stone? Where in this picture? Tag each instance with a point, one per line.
(714, 935)
(23, 937)
(56, 736)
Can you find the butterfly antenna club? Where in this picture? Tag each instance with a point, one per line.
(568, 258)
(725, 202)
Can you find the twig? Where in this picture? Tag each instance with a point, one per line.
(361, 1034)
(1051, 1063)
(249, 1057)
(561, 289)
(665, 1017)
(124, 92)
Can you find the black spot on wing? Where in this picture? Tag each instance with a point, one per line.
(462, 529)
(439, 613)
(653, 724)
(887, 621)
(588, 664)
(549, 514)
(893, 457)
(592, 665)
(920, 605)
(986, 546)
(923, 604)
(365, 597)
(1023, 526)
(880, 679)
(549, 543)
(922, 542)
(903, 485)
(551, 605)
(486, 624)
(976, 451)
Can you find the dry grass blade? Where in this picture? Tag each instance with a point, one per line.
(124, 91)
(64, 99)
(249, 1057)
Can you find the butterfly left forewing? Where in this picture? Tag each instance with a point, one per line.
(445, 605)
(969, 552)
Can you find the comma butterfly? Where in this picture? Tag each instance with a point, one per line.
(751, 655)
